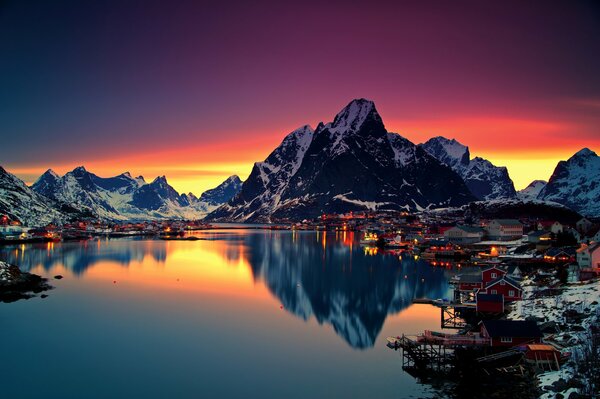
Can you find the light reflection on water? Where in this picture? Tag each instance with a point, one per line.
(282, 313)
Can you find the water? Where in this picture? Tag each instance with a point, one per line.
(244, 313)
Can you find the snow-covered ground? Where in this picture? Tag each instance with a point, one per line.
(580, 297)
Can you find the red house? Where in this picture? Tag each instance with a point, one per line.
(509, 333)
(492, 274)
(490, 303)
(505, 286)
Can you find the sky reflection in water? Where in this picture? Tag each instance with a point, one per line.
(285, 313)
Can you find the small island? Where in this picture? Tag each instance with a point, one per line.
(15, 284)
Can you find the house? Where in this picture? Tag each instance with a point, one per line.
(588, 256)
(509, 333)
(539, 237)
(490, 303)
(506, 286)
(584, 225)
(514, 272)
(464, 234)
(491, 273)
(543, 356)
(563, 254)
(551, 226)
(505, 229)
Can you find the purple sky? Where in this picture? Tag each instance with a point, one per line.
(202, 89)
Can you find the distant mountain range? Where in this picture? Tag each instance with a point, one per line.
(82, 194)
(350, 164)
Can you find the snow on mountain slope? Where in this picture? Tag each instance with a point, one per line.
(352, 163)
(532, 191)
(485, 180)
(19, 202)
(121, 197)
(223, 192)
(576, 183)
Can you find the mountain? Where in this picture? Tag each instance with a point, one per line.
(349, 164)
(223, 192)
(532, 191)
(576, 183)
(123, 197)
(485, 180)
(21, 203)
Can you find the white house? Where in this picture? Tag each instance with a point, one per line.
(505, 229)
(588, 256)
(554, 227)
(464, 234)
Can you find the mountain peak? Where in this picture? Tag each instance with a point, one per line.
(160, 180)
(449, 151)
(80, 169)
(51, 173)
(584, 152)
(233, 179)
(354, 115)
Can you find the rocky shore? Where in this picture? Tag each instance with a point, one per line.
(570, 313)
(15, 284)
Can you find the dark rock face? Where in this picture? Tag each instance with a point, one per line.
(485, 180)
(15, 285)
(350, 164)
(223, 192)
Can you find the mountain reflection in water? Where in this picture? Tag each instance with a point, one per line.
(325, 275)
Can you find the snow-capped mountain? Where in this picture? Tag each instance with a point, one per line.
(485, 180)
(576, 183)
(352, 163)
(121, 197)
(21, 203)
(532, 191)
(223, 192)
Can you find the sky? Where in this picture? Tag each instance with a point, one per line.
(199, 90)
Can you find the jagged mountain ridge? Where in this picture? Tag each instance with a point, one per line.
(20, 202)
(485, 180)
(121, 197)
(352, 163)
(575, 183)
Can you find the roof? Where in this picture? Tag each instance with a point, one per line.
(541, 347)
(512, 328)
(490, 298)
(508, 222)
(470, 278)
(470, 229)
(506, 279)
(539, 233)
(492, 268)
(557, 251)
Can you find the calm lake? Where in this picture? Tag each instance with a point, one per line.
(243, 313)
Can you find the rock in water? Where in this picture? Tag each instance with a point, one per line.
(15, 284)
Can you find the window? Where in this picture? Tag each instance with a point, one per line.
(511, 293)
(502, 283)
(506, 339)
(494, 275)
(494, 292)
